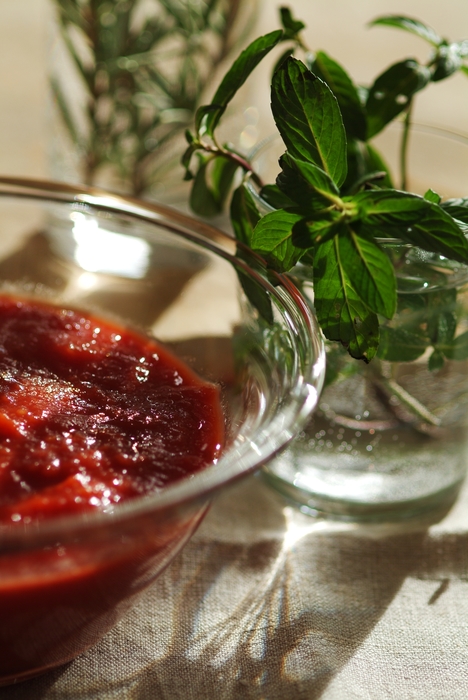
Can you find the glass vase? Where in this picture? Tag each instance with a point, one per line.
(390, 438)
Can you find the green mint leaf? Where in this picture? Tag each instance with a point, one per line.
(458, 208)
(432, 196)
(369, 270)
(401, 345)
(378, 177)
(409, 24)
(363, 162)
(436, 361)
(447, 61)
(211, 184)
(414, 220)
(307, 232)
(345, 91)
(340, 311)
(189, 137)
(308, 258)
(438, 233)
(444, 328)
(458, 349)
(375, 161)
(187, 157)
(236, 77)
(256, 295)
(440, 318)
(273, 196)
(411, 307)
(202, 200)
(392, 91)
(432, 314)
(306, 184)
(244, 217)
(204, 113)
(291, 26)
(272, 238)
(308, 118)
(411, 311)
(222, 176)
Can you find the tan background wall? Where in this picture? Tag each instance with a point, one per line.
(337, 26)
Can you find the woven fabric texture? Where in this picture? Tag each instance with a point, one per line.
(266, 603)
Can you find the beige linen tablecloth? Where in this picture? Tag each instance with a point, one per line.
(266, 603)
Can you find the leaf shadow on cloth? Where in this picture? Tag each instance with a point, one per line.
(263, 603)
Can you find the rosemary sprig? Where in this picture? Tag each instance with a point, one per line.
(143, 68)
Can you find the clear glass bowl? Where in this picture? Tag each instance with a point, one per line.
(65, 582)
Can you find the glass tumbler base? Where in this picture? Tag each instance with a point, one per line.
(320, 505)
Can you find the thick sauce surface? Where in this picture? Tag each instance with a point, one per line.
(92, 414)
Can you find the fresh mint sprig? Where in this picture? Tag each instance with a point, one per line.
(333, 201)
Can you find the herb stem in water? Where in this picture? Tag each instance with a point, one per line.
(404, 146)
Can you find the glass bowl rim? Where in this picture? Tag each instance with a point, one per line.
(202, 484)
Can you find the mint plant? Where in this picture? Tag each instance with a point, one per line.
(334, 204)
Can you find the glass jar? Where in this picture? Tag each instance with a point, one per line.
(390, 439)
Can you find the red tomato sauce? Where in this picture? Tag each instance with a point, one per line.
(92, 414)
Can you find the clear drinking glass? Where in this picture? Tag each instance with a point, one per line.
(390, 439)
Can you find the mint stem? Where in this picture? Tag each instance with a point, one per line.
(409, 401)
(404, 146)
(236, 158)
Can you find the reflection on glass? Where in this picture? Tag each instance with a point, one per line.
(98, 250)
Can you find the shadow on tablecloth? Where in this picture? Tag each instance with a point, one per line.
(263, 603)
